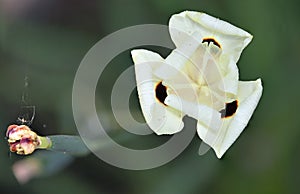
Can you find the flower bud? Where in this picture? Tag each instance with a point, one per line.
(23, 141)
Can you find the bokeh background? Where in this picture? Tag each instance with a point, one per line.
(45, 41)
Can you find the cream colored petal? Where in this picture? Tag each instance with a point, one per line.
(229, 81)
(220, 140)
(164, 120)
(202, 113)
(231, 39)
(142, 56)
(161, 118)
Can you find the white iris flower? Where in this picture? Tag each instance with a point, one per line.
(199, 79)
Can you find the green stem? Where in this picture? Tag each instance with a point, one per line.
(45, 142)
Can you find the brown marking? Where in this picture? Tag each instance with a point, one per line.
(230, 109)
(209, 40)
(161, 92)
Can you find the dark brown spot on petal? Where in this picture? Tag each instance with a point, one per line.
(209, 40)
(230, 109)
(161, 92)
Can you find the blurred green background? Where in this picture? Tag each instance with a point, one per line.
(46, 41)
